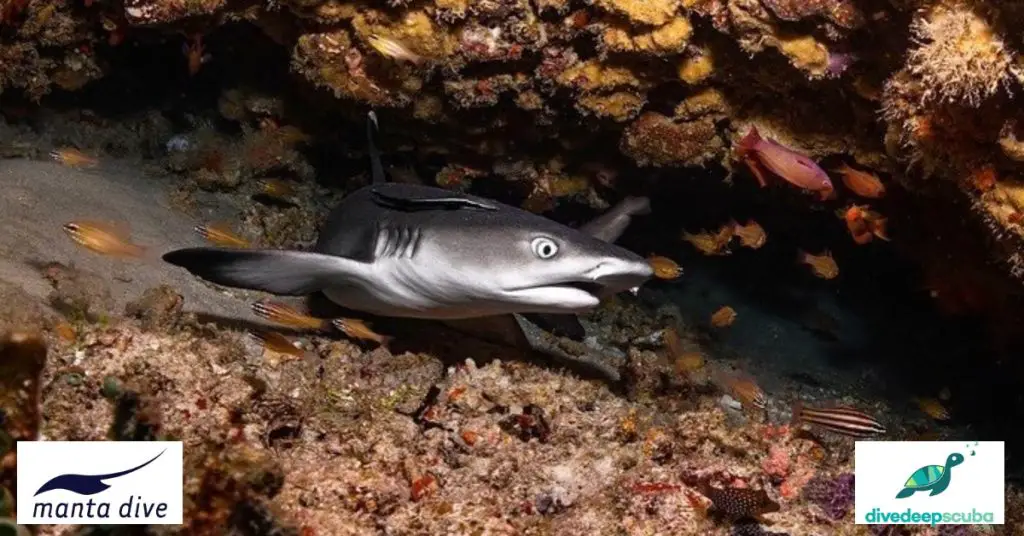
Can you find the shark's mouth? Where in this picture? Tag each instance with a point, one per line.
(588, 287)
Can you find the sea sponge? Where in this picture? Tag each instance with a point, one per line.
(650, 12)
(592, 75)
(655, 140)
(698, 67)
(806, 54)
(708, 101)
(620, 106)
(842, 12)
(671, 38)
(960, 57)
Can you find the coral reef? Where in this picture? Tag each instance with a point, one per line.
(942, 72)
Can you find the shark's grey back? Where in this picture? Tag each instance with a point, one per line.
(352, 228)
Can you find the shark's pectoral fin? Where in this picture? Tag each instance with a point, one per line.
(501, 329)
(286, 273)
(568, 326)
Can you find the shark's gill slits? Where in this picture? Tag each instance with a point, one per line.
(397, 242)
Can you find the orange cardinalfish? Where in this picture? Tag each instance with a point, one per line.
(742, 387)
(193, 51)
(933, 408)
(864, 224)
(106, 238)
(711, 243)
(286, 315)
(72, 157)
(357, 329)
(860, 182)
(220, 235)
(823, 266)
(766, 155)
(723, 317)
(275, 342)
(664, 267)
(751, 235)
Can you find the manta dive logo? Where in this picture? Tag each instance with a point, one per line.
(79, 482)
(88, 484)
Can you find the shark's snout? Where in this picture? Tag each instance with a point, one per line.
(620, 273)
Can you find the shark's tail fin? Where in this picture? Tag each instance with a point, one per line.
(281, 272)
(376, 168)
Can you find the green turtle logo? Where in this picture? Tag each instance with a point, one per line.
(931, 477)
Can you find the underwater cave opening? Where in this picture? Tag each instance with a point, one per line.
(882, 322)
(924, 314)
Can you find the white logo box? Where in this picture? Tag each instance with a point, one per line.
(100, 482)
(930, 482)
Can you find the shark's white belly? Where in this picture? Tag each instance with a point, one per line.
(403, 289)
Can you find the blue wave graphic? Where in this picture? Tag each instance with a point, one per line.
(88, 484)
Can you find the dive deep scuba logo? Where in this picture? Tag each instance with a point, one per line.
(100, 482)
(929, 482)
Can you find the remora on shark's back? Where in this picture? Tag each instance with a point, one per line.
(405, 250)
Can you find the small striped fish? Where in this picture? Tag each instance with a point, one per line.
(844, 421)
(284, 314)
(221, 235)
(275, 342)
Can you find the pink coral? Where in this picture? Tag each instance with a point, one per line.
(776, 465)
(802, 473)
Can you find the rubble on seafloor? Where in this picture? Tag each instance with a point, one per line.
(348, 440)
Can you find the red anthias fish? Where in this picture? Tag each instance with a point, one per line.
(764, 155)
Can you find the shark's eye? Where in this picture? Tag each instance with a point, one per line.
(545, 248)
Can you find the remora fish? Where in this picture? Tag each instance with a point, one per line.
(404, 250)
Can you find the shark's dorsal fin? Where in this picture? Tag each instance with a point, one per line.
(377, 175)
(414, 204)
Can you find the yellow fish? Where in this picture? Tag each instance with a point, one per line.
(285, 315)
(664, 267)
(357, 329)
(393, 49)
(711, 243)
(743, 388)
(275, 342)
(751, 235)
(222, 236)
(106, 238)
(723, 317)
(72, 157)
(933, 408)
(823, 266)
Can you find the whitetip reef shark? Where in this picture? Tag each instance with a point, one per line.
(414, 251)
